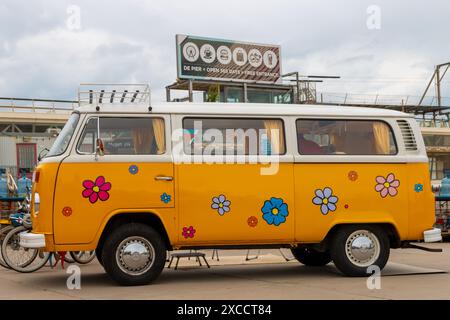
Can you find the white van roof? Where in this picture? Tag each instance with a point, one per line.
(260, 109)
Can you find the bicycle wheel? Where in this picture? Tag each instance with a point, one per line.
(3, 232)
(82, 257)
(53, 259)
(68, 258)
(22, 259)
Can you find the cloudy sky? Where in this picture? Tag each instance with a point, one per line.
(44, 53)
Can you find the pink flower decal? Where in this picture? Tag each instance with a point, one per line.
(188, 232)
(96, 190)
(387, 186)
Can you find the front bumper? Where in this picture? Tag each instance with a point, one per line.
(433, 235)
(32, 240)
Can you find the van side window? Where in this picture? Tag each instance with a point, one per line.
(126, 136)
(345, 137)
(233, 136)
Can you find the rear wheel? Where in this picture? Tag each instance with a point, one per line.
(310, 256)
(134, 254)
(355, 248)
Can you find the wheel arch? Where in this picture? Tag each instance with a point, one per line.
(390, 228)
(148, 218)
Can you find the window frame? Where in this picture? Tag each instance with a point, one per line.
(346, 155)
(72, 138)
(283, 122)
(81, 135)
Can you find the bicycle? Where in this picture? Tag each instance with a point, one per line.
(27, 260)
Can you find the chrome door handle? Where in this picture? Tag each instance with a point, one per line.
(164, 178)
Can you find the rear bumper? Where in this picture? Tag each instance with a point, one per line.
(32, 240)
(432, 235)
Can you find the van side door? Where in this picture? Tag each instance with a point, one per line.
(235, 180)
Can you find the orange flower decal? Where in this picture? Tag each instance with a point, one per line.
(252, 221)
(67, 211)
(353, 175)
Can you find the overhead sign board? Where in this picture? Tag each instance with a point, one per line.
(215, 59)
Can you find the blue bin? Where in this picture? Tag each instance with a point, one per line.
(22, 184)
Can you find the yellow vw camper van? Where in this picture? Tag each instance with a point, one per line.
(340, 184)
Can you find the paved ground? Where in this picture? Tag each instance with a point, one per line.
(411, 274)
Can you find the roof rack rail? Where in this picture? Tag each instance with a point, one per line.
(101, 93)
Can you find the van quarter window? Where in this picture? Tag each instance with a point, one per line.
(233, 136)
(345, 137)
(125, 136)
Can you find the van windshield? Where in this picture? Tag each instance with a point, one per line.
(61, 143)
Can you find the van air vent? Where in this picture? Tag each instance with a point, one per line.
(408, 135)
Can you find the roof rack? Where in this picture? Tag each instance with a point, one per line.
(99, 94)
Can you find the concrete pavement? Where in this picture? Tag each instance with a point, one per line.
(410, 274)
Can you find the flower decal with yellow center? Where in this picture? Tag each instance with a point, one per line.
(275, 211)
(166, 198)
(133, 169)
(221, 204)
(387, 186)
(188, 232)
(96, 190)
(326, 200)
(418, 187)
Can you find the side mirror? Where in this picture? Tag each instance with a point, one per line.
(100, 148)
(42, 154)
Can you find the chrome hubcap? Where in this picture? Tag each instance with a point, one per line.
(135, 255)
(362, 248)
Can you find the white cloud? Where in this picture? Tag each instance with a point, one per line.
(134, 40)
(53, 63)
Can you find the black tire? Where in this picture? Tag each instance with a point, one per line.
(355, 263)
(98, 254)
(310, 256)
(128, 271)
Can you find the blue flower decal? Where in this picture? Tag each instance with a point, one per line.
(166, 198)
(133, 169)
(418, 187)
(325, 199)
(275, 211)
(221, 204)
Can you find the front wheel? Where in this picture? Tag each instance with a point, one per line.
(310, 256)
(355, 248)
(134, 254)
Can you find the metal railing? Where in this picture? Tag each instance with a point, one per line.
(434, 123)
(36, 105)
(381, 100)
